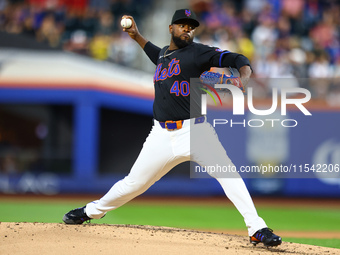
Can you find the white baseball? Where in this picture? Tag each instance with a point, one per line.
(126, 23)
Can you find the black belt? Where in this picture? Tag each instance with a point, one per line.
(174, 125)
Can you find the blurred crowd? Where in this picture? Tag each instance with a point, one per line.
(87, 27)
(293, 39)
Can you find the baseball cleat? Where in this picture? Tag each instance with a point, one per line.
(76, 216)
(265, 236)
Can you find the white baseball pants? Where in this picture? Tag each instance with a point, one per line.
(165, 149)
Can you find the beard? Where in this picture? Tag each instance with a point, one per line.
(181, 43)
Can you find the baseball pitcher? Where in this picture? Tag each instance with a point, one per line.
(168, 143)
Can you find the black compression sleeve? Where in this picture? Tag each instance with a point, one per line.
(152, 51)
(242, 61)
(235, 60)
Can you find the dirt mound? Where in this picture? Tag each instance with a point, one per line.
(53, 238)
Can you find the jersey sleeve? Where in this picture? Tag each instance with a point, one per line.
(152, 51)
(207, 57)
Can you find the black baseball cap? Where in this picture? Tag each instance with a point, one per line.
(185, 15)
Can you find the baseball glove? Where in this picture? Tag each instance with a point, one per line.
(212, 78)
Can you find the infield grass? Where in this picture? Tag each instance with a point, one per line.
(332, 243)
(212, 217)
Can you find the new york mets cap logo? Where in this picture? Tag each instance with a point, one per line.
(188, 13)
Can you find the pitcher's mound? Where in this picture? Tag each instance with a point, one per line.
(53, 238)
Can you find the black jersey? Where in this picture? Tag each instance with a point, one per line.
(172, 78)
